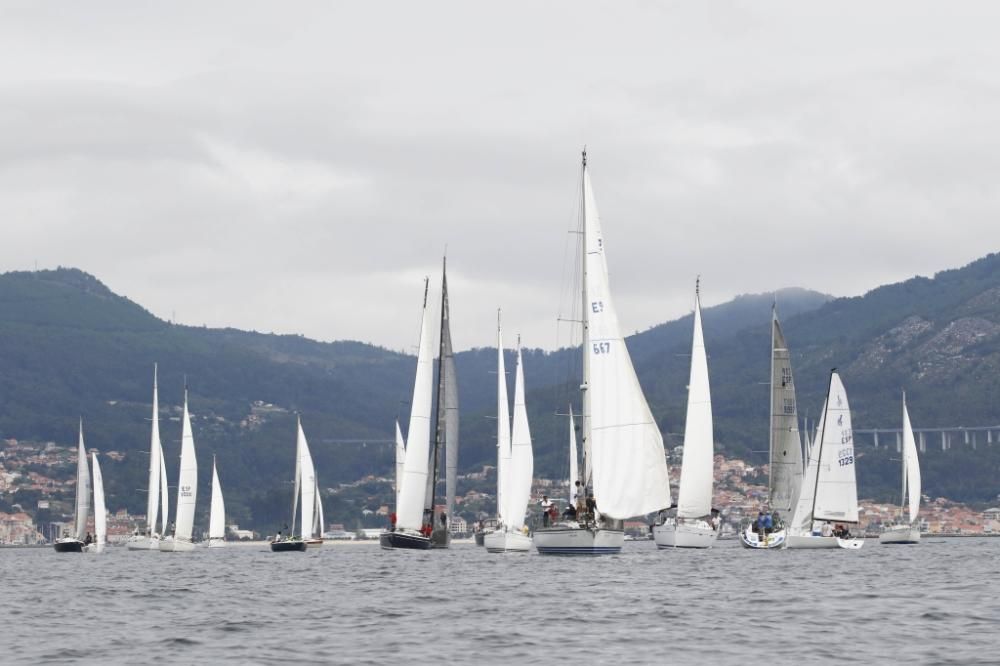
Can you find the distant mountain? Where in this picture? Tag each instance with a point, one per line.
(69, 346)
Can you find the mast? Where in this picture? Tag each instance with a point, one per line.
(585, 322)
(439, 417)
(770, 430)
(819, 455)
(902, 496)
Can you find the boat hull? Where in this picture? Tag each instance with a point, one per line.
(216, 543)
(403, 540)
(575, 540)
(900, 534)
(296, 546)
(507, 542)
(143, 543)
(808, 541)
(313, 543)
(480, 538)
(68, 546)
(753, 540)
(685, 534)
(169, 545)
(94, 548)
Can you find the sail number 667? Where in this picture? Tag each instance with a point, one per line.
(602, 347)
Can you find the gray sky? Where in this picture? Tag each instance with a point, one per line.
(299, 167)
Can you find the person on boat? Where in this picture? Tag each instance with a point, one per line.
(278, 538)
(392, 521)
(592, 506)
(826, 530)
(775, 520)
(579, 494)
(768, 523)
(569, 513)
(546, 504)
(553, 514)
(759, 523)
(426, 529)
(89, 540)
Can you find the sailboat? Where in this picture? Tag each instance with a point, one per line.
(75, 543)
(514, 478)
(694, 525)
(187, 491)
(100, 511)
(623, 447)
(907, 531)
(217, 513)
(157, 498)
(829, 490)
(785, 448)
(306, 488)
(416, 527)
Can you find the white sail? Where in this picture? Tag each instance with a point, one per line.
(836, 486)
(164, 495)
(448, 420)
(503, 429)
(521, 465)
(803, 517)
(217, 513)
(153, 496)
(100, 511)
(187, 482)
(400, 458)
(785, 448)
(694, 498)
(629, 466)
(320, 519)
(410, 510)
(911, 466)
(82, 488)
(573, 473)
(308, 485)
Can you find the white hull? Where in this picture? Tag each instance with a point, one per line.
(687, 534)
(900, 534)
(168, 545)
(755, 541)
(216, 543)
(94, 548)
(143, 543)
(570, 539)
(507, 542)
(314, 543)
(809, 541)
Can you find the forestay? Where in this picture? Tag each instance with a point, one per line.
(629, 467)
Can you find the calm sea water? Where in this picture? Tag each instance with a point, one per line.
(934, 603)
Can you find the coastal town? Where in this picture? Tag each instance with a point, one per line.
(37, 487)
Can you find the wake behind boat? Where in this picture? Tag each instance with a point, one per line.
(623, 447)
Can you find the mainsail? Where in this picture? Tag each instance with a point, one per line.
(153, 497)
(447, 403)
(100, 511)
(217, 514)
(785, 448)
(164, 495)
(911, 467)
(82, 488)
(629, 466)
(409, 511)
(187, 483)
(694, 498)
(400, 458)
(521, 468)
(307, 477)
(836, 494)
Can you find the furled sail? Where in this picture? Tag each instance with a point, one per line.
(573, 473)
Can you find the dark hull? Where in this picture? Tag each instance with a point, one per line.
(392, 540)
(480, 538)
(288, 546)
(440, 539)
(73, 546)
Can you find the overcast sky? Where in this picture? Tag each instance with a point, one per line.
(299, 167)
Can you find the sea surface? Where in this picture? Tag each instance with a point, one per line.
(934, 603)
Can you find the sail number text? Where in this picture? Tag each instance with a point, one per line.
(602, 347)
(597, 306)
(845, 456)
(185, 491)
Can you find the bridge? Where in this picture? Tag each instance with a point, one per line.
(945, 437)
